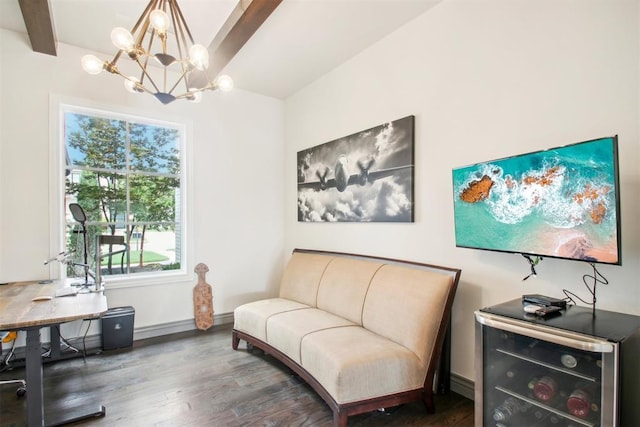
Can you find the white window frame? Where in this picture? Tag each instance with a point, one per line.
(61, 105)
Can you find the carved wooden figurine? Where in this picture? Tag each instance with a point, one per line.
(203, 299)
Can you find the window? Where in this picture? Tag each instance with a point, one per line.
(125, 174)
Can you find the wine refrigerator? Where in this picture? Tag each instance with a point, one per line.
(579, 367)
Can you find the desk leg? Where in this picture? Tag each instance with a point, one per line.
(35, 407)
(35, 387)
(55, 342)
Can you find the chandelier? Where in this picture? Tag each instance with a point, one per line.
(161, 35)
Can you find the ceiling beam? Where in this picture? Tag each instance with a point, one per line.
(243, 22)
(39, 23)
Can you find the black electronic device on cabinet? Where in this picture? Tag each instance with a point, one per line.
(578, 368)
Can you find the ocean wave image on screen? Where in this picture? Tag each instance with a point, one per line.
(558, 203)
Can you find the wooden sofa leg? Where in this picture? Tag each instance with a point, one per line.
(235, 340)
(339, 419)
(427, 399)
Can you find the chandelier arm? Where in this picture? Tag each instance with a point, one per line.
(179, 13)
(116, 57)
(182, 27)
(164, 86)
(144, 73)
(152, 5)
(182, 77)
(139, 49)
(141, 34)
(146, 89)
(185, 64)
(114, 70)
(186, 95)
(163, 40)
(178, 25)
(146, 59)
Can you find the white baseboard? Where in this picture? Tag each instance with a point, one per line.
(93, 343)
(462, 386)
(175, 327)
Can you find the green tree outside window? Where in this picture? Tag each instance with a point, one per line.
(126, 177)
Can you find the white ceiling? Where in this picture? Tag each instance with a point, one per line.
(301, 41)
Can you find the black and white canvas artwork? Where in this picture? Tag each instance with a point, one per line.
(364, 177)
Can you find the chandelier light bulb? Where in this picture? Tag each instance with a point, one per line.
(122, 39)
(159, 20)
(92, 64)
(131, 84)
(199, 56)
(224, 83)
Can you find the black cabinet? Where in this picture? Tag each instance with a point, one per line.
(578, 368)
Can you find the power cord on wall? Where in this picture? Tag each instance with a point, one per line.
(596, 277)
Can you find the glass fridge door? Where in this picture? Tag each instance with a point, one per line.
(535, 376)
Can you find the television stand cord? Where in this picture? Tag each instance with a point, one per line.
(597, 277)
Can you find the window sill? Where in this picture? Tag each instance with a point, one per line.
(145, 280)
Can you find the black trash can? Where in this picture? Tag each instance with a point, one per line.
(117, 328)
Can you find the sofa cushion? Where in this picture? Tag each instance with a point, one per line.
(285, 331)
(344, 285)
(354, 364)
(252, 318)
(302, 276)
(406, 305)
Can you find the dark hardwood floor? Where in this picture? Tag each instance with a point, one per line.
(195, 379)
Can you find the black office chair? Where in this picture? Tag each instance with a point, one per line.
(21, 390)
(4, 338)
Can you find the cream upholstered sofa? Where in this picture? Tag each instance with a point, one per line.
(364, 332)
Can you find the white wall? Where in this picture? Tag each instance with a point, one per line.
(237, 172)
(485, 79)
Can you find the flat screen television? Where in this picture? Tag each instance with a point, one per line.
(561, 203)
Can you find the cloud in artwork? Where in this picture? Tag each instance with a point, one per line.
(392, 203)
(384, 200)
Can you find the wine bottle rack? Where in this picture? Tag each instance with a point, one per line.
(549, 372)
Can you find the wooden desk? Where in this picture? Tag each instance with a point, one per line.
(18, 311)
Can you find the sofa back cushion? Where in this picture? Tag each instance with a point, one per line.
(344, 285)
(406, 305)
(301, 277)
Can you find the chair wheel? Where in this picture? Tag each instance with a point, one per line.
(21, 391)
